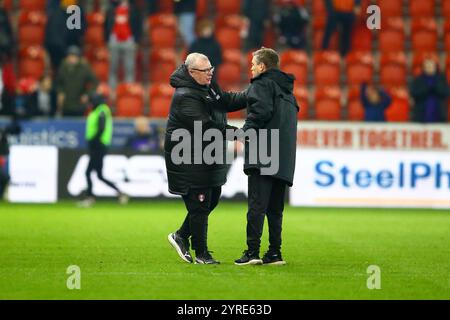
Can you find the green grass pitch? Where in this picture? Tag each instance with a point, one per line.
(123, 253)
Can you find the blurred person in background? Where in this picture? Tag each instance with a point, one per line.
(24, 102)
(6, 32)
(257, 12)
(430, 92)
(7, 86)
(99, 131)
(186, 11)
(58, 38)
(146, 138)
(5, 132)
(75, 80)
(123, 31)
(44, 98)
(340, 14)
(207, 44)
(292, 21)
(375, 101)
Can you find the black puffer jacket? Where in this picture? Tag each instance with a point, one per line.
(272, 105)
(194, 102)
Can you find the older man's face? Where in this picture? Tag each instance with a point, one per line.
(202, 72)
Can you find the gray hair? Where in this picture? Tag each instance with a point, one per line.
(192, 59)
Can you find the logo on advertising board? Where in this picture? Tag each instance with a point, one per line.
(142, 176)
(372, 178)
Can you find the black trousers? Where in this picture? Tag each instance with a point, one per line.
(265, 197)
(96, 155)
(345, 20)
(199, 204)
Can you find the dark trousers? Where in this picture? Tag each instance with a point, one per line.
(199, 204)
(265, 197)
(96, 155)
(345, 20)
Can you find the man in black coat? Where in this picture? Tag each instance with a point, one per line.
(271, 106)
(196, 101)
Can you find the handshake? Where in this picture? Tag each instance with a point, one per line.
(233, 133)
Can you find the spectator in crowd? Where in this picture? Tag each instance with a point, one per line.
(146, 138)
(257, 12)
(341, 13)
(58, 38)
(292, 21)
(6, 32)
(74, 82)
(123, 31)
(25, 104)
(186, 11)
(430, 91)
(375, 101)
(207, 44)
(44, 98)
(7, 86)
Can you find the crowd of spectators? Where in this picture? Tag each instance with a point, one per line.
(69, 78)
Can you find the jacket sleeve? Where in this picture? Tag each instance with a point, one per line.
(190, 110)
(385, 99)
(260, 105)
(231, 101)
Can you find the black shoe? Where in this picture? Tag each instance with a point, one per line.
(205, 258)
(181, 246)
(273, 258)
(249, 257)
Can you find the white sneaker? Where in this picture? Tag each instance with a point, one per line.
(87, 203)
(123, 199)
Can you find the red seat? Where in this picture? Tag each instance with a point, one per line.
(165, 6)
(32, 5)
(398, 111)
(229, 37)
(391, 8)
(32, 28)
(8, 5)
(100, 63)
(94, 33)
(32, 62)
(130, 100)
(362, 37)
(424, 34)
(318, 8)
(418, 59)
(359, 68)
(163, 63)
(355, 107)
(295, 62)
(229, 73)
(224, 7)
(421, 8)
(327, 68)
(301, 94)
(392, 35)
(445, 9)
(328, 103)
(162, 30)
(393, 69)
(160, 100)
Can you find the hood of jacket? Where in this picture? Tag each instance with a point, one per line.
(181, 78)
(284, 80)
